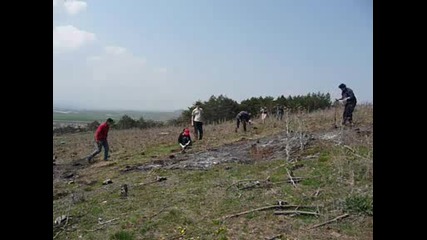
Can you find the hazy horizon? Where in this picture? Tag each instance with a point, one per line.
(159, 55)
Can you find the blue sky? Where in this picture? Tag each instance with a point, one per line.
(166, 54)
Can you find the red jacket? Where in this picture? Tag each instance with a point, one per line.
(102, 132)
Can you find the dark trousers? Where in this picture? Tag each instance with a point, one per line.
(198, 130)
(243, 123)
(98, 148)
(348, 113)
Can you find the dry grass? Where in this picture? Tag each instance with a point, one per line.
(189, 203)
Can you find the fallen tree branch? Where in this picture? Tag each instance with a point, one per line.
(295, 212)
(327, 222)
(264, 208)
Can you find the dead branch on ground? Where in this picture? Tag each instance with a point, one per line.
(329, 221)
(295, 212)
(158, 179)
(291, 178)
(102, 225)
(257, 182)
(265, 208)
(354, 152)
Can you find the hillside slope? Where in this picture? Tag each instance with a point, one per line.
(276, 181)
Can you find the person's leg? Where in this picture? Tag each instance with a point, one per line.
(200, 130)
(350, 112)
(98, 147)
(237, 124)
(244, 125)
(106, 149)
(346, 113)
(196, 132)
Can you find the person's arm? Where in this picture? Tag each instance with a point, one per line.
(192, 118)
(343, 97)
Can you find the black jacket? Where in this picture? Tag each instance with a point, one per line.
(184, 139)
(243, 115)
(347, 92)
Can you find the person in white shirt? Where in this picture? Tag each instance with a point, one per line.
(197, 121)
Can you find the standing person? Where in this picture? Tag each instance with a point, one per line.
(197, 121)
(264, 114)
(184, 139)
(279, 112)
(348, 96)
(101, 141)
(243, 117)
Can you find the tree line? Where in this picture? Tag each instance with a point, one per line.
(221, 108)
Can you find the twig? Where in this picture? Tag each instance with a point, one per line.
(114, 219)
(265, 208)
(66, 221)
(274, 237)
(57, 234)
(317, 192)
(295, 212)
(290, 177)
(354, 152)
(158, 179)
(102, 225)
(161, 210)
(244, 180)
(332, 220)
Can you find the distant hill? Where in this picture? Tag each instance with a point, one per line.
(63, 114)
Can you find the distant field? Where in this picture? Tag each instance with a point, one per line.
(89, 116)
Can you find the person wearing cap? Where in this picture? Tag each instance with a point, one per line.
(243, 117)
(197, 121)
(101, 135)
(348, 97)
(184, 139)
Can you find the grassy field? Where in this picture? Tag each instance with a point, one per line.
(335, 169)
(89, 116)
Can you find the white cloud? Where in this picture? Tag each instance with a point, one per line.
(67, 38)
(74, 6)
(55, 3)
(117, 79)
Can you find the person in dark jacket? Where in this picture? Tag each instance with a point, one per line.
(184, 139)
(348, 97)
(279, 112)
(243, 117)
(101, 135)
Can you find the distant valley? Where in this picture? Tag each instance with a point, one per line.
(72, 115)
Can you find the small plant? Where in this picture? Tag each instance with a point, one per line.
(122, 235)
(359, 204)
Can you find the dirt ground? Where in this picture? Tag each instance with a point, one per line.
(279, 146)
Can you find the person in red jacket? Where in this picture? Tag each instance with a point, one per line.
(184, 139)
(101, 135)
